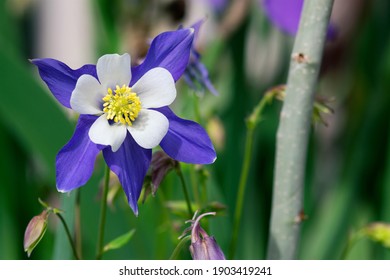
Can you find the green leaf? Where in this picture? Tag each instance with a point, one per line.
(30, 112)
(119, 242)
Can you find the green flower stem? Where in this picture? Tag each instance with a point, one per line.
(251, 123)
(352, 240)
(201, 199)
(202, 175)
(179, 247)
(103, 210)
(72, 244)
(185, 191)
(78, 235)
(194, 184)
(198, 115)
(61, 249)
(168, 222)
(293, 131)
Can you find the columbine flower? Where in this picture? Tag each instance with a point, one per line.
(203, 246)
(196, 74)
(124, 113)
(285, 14)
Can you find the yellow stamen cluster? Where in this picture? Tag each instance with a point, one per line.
(122, 105)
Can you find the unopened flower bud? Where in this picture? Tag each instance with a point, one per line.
(203, 246)
(161, 165)
(379, 232)
(35, 230)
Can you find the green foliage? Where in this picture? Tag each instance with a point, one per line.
(119, 242)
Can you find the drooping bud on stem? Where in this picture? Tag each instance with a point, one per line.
(35, 230)
(203, 246)
(161, 165)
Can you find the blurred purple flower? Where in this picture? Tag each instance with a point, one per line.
(285, 14)
(196, 74)
(218, 5)
(124, 113)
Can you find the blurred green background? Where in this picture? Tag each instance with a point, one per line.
(348, 167)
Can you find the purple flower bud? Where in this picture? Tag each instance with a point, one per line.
(35, 230)
(218, 5)
(161, 165)
(203, 246)
(196, 74)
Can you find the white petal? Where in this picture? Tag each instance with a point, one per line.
(103, 133)
(156, 88)
(149, 128)
(113, 70)
(87, 96)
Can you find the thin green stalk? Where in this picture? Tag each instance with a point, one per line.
(202, 176)
(241, 192)
(194, 185)
(179, 247)
(346, 250)
(294, 128)
(103, 211)
(68, 235)
(77, 226)
(61, 250)
(165, 216)
(185, 191)
(194, 174)
(251, 123)
(352, 240)
(198, 115)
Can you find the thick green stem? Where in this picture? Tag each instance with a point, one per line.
(251, 123)
(103, 210)
(294, 128)
(185, 191)
(68, 235)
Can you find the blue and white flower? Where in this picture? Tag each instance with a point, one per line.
(124, 113)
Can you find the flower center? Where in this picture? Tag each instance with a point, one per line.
(122, 105)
